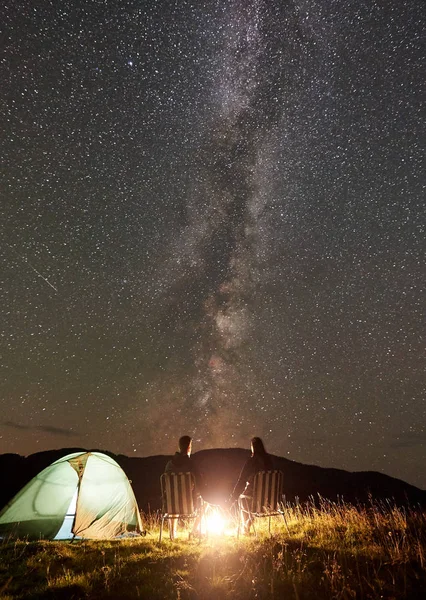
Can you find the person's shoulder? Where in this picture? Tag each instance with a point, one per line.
(250, 462)
(261, 460)
(191, 463)
(172, 462)
(269, 463)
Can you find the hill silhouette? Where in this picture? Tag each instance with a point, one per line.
(221, 468)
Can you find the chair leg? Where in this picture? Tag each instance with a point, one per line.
(161, 527)
(196, 527)
(285, 522)
(240, 523)
(252, 520)
(172, 527)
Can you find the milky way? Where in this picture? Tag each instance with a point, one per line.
(213, 223)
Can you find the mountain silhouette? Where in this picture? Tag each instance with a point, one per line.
(220, 468)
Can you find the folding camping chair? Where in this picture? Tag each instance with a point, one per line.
(267, 495)
(178, 502)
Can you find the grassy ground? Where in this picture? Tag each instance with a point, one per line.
(335, 551)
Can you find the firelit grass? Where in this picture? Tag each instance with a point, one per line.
(317, 551)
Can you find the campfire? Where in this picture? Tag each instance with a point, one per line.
(216, 521)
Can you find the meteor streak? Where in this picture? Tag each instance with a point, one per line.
(40, 275)
(35, 270)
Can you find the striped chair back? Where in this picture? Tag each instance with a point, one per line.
(176, 490)
(267, 491)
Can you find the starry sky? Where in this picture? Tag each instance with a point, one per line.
(212, 222)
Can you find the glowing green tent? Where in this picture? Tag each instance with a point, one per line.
(84, 494)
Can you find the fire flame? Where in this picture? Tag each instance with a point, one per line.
(214, 523)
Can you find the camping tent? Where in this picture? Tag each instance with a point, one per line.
(84, 494)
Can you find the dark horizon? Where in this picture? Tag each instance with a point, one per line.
(164, 456)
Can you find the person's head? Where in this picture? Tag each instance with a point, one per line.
(257, 446)
(185, 445)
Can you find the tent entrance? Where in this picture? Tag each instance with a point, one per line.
(65, 532)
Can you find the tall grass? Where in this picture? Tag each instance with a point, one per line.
(319, 550)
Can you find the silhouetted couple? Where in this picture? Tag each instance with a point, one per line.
(243, 490)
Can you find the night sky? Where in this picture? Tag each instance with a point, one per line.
(212, 223)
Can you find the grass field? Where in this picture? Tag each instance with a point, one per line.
(332, 551)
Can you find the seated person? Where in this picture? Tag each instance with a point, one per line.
(181, 463)
(243, 490)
